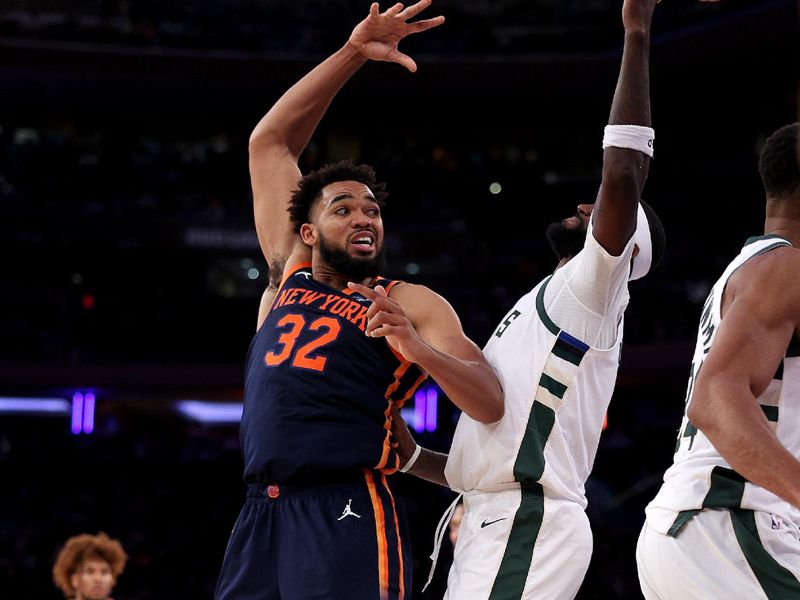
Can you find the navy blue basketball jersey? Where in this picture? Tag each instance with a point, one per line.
(318, 391)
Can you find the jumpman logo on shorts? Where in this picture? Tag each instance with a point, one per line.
(347, 512)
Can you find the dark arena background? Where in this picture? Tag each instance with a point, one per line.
(131, 272)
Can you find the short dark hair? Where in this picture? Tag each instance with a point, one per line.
(658, 237)
(779, 164)
(310, 187)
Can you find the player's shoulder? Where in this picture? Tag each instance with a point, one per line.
(417, 299)
(771, 278)
(403, 291)
(778, 266)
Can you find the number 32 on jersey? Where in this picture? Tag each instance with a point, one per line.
(303, 357)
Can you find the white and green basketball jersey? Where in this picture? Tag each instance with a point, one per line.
(557, 390)
(699, 477)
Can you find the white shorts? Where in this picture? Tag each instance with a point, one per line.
(518, 544)
(728, 554)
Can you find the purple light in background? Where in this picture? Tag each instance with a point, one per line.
(88, 412)
(212, 413)
(420, 400)
(432, 404)
(34, 406)
(77, 413)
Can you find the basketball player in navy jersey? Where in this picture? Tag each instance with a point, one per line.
(337, 348)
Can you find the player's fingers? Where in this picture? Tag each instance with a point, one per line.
(380, 290)
(362, 289)
(394, 10)
(374, 9)
(383, 318)
(402, 59)
(414, 9)
(372, 311)
(425, 25)
(385, 331)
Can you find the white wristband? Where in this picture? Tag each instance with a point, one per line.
(634, 137)
(412, 460)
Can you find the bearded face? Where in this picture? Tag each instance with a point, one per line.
(352, 267)
(568, 236)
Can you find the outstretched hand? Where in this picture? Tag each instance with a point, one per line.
(377, 36)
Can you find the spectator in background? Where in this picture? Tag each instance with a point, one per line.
(88, 566)
(455, 523)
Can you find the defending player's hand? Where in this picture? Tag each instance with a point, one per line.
(377, 36)
(405, 441)
(387, 319)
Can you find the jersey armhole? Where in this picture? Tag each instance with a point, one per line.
(292, 270)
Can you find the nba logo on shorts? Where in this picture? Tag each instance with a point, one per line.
(777, 522)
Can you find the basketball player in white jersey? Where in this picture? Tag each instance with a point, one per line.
(525, 533)
(726, 522)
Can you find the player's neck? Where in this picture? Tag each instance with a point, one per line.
(787, 227)
(783, 219)
(332, 278)
(562, 262)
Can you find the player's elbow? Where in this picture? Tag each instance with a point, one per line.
(702, 412)
(492, 408)
(263, 139)
(697, 413)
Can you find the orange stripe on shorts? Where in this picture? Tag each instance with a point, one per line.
(380, 531)
(397, 533)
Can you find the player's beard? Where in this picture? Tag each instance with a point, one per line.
(351, 267)
(566, 242)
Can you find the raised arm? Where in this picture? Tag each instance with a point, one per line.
(283, 133)
(624, 169)
(424, 328)
(750, 343)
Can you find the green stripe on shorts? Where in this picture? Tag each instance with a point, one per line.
(776, 580)
(513, 572)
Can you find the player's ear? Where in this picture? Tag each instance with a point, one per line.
(308, 233)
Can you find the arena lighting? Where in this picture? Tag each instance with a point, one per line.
(83, 412)
(426, 404)
(34, 406)
(212, 413)
(431, 408)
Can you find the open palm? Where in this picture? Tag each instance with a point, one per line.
(377, 36)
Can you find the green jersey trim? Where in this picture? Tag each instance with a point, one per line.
(726, 490)
(548, 322)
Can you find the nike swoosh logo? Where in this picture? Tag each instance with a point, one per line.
(487, 523)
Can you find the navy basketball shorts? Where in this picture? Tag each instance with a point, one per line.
(326, 542)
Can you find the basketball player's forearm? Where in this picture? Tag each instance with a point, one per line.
(631, 104)
(430, 466)
(294, 117)
(471, 385)
(734, 423)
